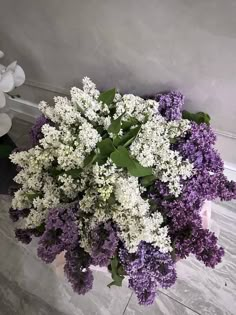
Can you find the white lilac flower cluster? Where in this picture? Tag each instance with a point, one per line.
(100, 148)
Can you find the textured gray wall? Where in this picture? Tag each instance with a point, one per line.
(140, 46)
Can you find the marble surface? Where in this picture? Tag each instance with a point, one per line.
(30, 287)
(162, 306)
(16, 301)
(211, 292)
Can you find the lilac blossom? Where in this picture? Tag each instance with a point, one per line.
(16, 214)
(207, 183)
(61, 233)
(200, 242)
(77, 270)
(170, 105)
(148, 269)
(25, 235)
(104, 241)
(198, 148)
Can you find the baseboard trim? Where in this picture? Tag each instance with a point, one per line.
(225, 133)
(22, 108)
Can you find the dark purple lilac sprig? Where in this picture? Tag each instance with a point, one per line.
(207, 183)
(202, 243)
(170, 105)
(77, 269)
(25, 236)
(184, 218)
(148, 269)
(16, 214)
(104, 241)
(186, 208)
(35, 132)
(61, 233)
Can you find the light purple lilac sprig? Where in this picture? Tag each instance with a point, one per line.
(170, 105)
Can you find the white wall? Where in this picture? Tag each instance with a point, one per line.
(140, 46)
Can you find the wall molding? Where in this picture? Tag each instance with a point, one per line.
(29, 111)
(22, 108)
(29, 108)
(225, 133)
(47, 87)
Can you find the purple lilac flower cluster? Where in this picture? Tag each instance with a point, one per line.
(170, 105)
(77, 269)
(104, 241)
(198, 148)
(16, 214)
(208, 183)
(25, 235)
(148, 269)
(61, 233)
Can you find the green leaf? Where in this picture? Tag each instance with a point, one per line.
(129, 123)
(5, 150)
(115, 125)
(117, 141)
(100, 159)
(136, 169)
(203, 117)
(121, 270)
(127, 143)
(148, 180)
(54, 172)
(199, 117)
(122, 158)
(187, 115)
(125, 139)
(32, 196)
(106, 147)
(117, 278)
(100, 129)
(40, 228)
(89, 159)
(107, 97)
(111, 200)
(75, 173)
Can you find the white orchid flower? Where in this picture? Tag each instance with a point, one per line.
(11, 77)
(5, 124)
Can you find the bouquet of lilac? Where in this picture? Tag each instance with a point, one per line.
(119, 181)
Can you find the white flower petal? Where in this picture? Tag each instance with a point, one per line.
(7, 82)
(2, 100)
(5, 124)
(12, 66)
(19, 76)
(2, 68)
(1, 54)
